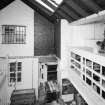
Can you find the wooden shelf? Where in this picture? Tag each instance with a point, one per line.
(88, 93)
(91, 68)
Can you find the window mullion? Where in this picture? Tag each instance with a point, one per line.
(16, 71)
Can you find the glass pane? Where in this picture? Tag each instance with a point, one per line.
(12, 75)
(12, 79)
(19, 63)
(18, 79)
(19, 68)
(12, 67)
(18, 75)
(13, 64)
(17, 29)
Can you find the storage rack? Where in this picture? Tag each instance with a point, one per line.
(90, 67)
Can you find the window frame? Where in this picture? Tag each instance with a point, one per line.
(16, 71)
(13, 34)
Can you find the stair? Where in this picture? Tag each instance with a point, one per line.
(23, 97)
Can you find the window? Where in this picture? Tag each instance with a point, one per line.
(15, 72)
(13, 34)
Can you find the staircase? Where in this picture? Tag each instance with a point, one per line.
(23, 97)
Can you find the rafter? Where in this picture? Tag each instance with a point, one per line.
(49, 4)
(39, 6)
(76, 7)
(69, 11)
(54, 2)
(64, 15)
(40, 9)
(92, 5)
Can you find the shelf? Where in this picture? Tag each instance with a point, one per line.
(90, 96)
(75, 56)
(96, 88)
(91, 68)
(83, 60)
(96, 67)
(103, 70)
(83, 77)
(76, 69)
(84, 69)
(103, 94)
(88, 81)
(74, 60)
(88, 63)
(89, 73)
(96, 78)
(103, 83)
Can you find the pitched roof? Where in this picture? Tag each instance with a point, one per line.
(70, 10)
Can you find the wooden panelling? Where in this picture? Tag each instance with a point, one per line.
(43, 36)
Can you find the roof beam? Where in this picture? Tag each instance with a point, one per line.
(69, 11)
(91, 4)
(49, 4)
(76, 7)
(64, 15)
(54, 2)
(39, 6)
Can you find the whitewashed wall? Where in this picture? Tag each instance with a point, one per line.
(18, 13)
(80, 35)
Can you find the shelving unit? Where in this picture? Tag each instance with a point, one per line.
(90, 68)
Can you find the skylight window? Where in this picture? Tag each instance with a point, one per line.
(57, 1)
(53, 3)
(50, 3)
(42, 3)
